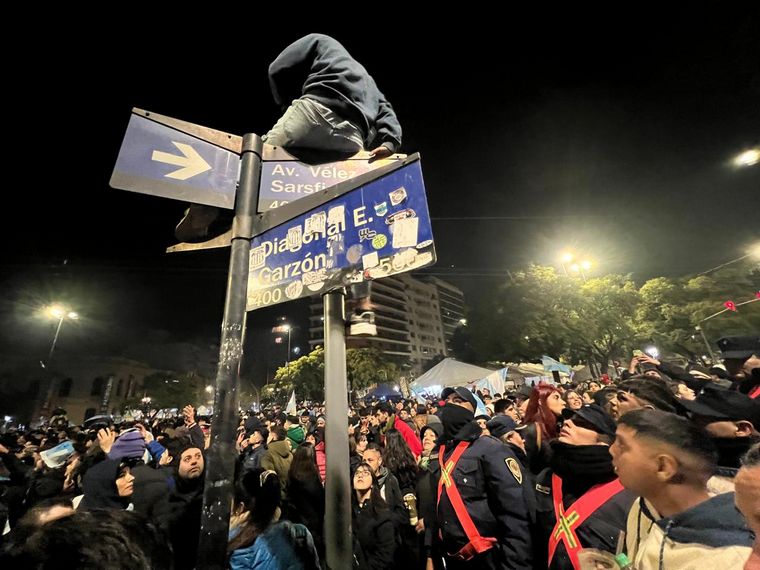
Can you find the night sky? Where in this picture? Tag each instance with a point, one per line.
(611, 134)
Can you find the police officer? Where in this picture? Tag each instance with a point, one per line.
(482, 514)
(581, 503)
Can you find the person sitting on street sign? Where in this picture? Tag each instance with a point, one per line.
(330, 103)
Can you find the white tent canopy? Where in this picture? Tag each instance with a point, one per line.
(449, 372)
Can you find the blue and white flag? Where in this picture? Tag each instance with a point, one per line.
(551, 365)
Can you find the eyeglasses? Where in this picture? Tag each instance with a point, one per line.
(362, 473)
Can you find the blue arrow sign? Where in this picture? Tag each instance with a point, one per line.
(161, 161)
(379, 229)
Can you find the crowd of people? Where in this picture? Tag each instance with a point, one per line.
(659, 468)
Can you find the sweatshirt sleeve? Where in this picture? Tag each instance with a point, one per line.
(387, 125)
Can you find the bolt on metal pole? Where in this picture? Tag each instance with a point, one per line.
(337, 479)
(220, 457)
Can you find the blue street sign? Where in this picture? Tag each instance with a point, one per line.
(379, 229)
(161, 161)
(284, 181)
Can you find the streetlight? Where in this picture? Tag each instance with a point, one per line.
(61, 313)
(747, 158)
(285, 327)
(753, 251)
(565, 258)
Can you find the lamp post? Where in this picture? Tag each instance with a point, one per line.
(287, 361)
(284, 328)
(61, 313)
(564, 260)
(754, 251)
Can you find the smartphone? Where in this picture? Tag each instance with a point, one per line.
(638, 352)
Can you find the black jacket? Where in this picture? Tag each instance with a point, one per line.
(319, 67)
(600, 530)
(375, 537)
(490, 481)
(100, 487)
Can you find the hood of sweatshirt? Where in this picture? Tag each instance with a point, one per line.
(715, 523)
(281, 448)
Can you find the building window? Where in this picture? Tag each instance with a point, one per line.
(97, 387)
(65, 389)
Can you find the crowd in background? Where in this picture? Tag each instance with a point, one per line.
(649, 466)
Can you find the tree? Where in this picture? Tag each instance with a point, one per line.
(602, 319)
(541, 312)
(364, 367)
(305, 374)
(461, 345)
(524, 318)
(368, 366)
(170, 390)
(671, 309)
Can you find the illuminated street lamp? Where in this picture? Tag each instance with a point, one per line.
(284, 328)
(61, 313)
(753, 251)
(565, 258)
(747, 158)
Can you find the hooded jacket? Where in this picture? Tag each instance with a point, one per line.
(320, 68)
(100, 487)
(278, 459)
(712, 534)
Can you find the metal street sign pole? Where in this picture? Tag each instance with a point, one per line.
(220, 467)
(337, 479)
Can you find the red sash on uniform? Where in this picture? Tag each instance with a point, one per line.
(578, 512)
(755, 393)
(477, 544)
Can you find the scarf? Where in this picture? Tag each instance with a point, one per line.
(454, 418)
(731, 449)
(581, 466)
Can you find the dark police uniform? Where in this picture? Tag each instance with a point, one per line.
(490, 481)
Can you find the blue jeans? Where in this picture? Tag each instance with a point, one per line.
(309, 124)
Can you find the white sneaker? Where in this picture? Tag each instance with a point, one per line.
(362, 324)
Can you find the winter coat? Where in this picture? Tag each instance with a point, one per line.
(600, 530)
(283, 546)
(490, 482)
(100, 487)
(278, 459)
(375, 535)
(319, 451)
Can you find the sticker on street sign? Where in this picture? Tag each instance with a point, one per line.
(158, 160)
(285, 181)
(379, 229)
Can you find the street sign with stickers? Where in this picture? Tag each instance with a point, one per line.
(378, 229)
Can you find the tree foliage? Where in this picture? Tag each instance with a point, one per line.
(170, 390)
(542, 312)
(364, 367)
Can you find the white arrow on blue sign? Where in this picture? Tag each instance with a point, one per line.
(159, 160)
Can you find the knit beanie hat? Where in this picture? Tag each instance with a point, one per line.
(129, 445)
